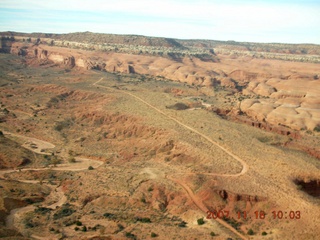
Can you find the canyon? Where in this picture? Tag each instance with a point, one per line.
(133, 136)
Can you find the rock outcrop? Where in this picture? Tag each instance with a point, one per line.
(190, 71)
(275, 97)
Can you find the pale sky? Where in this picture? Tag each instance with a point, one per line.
(285, 21)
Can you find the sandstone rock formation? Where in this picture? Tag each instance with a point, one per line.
(277, 92)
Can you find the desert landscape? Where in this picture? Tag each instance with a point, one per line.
(107, 136)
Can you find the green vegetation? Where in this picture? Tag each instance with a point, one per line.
(143, 220)
(153, 235)
(130, 235)
(109, 215)
(42, 210)
(63, 212)
(250, 232)
(212, 234)
(63, 124)
(232, 222)
(120, 227)
(182, 224)
(200, 221)
(29, 225)
(90, 168)
(78, 223)
(264, 233)
(317, 128)
(178, 106)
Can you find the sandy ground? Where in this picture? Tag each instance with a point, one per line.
(128, 129)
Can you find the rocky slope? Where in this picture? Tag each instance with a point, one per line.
(162, 167)
(277, 92)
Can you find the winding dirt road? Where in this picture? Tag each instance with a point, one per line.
(41, 144)
(56, 193)
(245, 166)
(198, 202)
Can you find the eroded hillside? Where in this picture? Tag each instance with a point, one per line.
(136, 146)
(268, 91)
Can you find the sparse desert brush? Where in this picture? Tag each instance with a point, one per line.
(143, 220)
(78, 223)
(200, 221)
(153, 235)
(65, 211)
(55, 161)
(72, 160)
(130, 235)
(178, 106)
(182, 224)
(84, 229)
(317, 128)
(121, 183)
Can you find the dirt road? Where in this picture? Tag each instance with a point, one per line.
(198, 202)
(56, 193)
(40, 144)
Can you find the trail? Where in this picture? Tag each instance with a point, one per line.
(41, 144)
(56, 193)
(245, 166)
(198, 202)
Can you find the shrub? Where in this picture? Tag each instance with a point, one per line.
(64, 212)
(178, 106)
(42, 210)
(317, 128)
(153, 235)
(76, 229)
(120, 227)
(97, 226)
(78, 223)
(200, 221)
(264, 233)
(130, 235)
(109, 215)
(250, 232)
(84, 229)
(29, 225)
(90, 168)
(182, 224)
(232, 222)
(212, 234)
(55, 161)
(143, 220)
